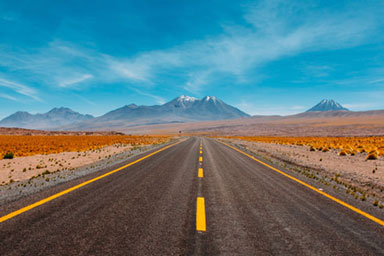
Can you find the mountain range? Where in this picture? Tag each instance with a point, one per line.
(181, 109)
(56, 117)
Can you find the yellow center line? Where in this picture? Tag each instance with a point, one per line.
(367, 215)
(43, 201)
(201, 159)
(201, 152)
(200, 215)
(200, 174)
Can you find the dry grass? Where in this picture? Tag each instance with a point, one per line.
(372, 155)
(42, 145)
(343, 145)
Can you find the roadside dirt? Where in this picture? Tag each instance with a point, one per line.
(23, 168)
(357, 176)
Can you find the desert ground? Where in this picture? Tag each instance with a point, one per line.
(24, 168)
(37, 154)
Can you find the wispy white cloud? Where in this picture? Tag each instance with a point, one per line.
(360, 106)
(297, 107)
(380, 80)
(6, 96)
(20, 88)
(272, 30)
(256, 109)
(158, 99)
(75, 80)
(275, 32)
(58, 64)
(131, 70)
(196, 81)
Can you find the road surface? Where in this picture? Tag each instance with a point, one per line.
(150, 208)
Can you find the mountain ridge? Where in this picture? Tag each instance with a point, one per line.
(56, 117)
(180, 109)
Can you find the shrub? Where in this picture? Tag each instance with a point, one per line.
(372, 156)
(342, 153)
(46, 172)
(8, 155)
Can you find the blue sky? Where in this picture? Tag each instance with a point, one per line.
(265, 57)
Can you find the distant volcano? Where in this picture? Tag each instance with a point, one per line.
(327, 105)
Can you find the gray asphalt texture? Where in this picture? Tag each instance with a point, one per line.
(149, 209)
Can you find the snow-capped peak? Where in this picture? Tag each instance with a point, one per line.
(327, 105)
(186, 98)
(208, 98)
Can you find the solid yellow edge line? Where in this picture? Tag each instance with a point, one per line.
(367, 215)
(43, 201)
(201, 159)
(201, 174)
(200, 215)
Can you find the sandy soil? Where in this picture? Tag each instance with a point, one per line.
(23, 168)
(354, 170)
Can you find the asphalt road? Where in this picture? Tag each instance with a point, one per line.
(149, 208)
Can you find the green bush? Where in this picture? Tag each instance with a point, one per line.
(8, 155)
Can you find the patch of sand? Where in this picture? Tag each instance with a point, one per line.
(23, 168)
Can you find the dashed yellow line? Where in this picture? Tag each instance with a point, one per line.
(201, 159)
(34, 205)
(367, 215)
(200, 173)
(200, 215)
(201, 152)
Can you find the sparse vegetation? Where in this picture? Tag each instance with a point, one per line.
(372, 155)
(16, 146)
(8, 155)
(343, 145)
